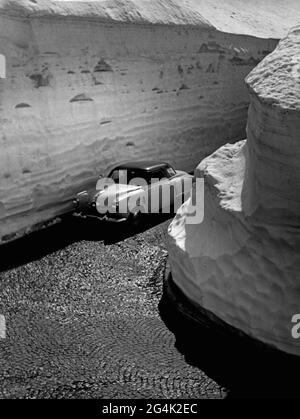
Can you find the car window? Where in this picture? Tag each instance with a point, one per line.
(137, 175)
(117, 175)
(157, 174)
(144, 174)
(170, 171)
(127, 175)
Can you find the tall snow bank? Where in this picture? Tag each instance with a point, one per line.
(91, 84)
(242, 263)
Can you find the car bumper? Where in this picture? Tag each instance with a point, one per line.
(104, 218)
(92, 213)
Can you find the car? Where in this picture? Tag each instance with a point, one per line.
(133, 188)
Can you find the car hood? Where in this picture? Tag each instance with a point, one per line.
(118, 190)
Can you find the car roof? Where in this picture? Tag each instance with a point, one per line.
(147, 165)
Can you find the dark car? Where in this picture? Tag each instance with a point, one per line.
(136, 187)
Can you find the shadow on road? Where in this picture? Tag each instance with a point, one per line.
(110, 232)
(238, 363)
(70, 230)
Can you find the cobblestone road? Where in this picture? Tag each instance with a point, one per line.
(80, 318)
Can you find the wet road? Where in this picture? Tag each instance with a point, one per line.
(80, 318)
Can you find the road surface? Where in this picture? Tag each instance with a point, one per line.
(80, 318)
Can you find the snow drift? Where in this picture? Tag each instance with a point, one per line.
(242, 263)
(91, 84)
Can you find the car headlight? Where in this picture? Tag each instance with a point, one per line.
(82, 199)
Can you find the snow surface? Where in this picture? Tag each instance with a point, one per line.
(242, 263)
(90, 84)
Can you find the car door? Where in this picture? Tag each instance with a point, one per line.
(155, 190)
(177, 187)
(167, 189)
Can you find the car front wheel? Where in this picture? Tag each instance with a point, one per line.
(134, 217)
